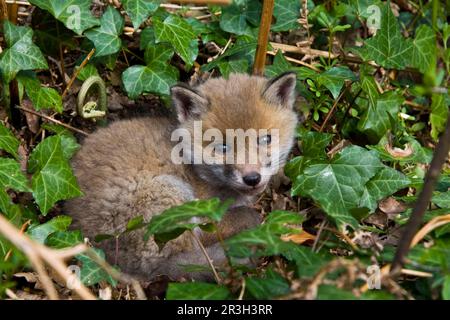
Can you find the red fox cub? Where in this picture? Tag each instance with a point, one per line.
(140, 167)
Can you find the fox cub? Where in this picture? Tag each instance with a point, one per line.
(128, 169)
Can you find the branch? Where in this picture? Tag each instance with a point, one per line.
(263, 37)
(65, 125)
(39, 254)
(440, 155)
(208, 259)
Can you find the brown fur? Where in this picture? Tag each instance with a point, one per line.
(125, 170)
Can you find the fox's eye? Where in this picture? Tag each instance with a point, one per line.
(265, 140)
(221, 148)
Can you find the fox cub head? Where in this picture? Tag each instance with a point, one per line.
(236, 132)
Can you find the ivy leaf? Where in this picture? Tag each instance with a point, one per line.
(64, 239)
(266, 238)
(307, 261)
(375, 121)
(139, 10)
(75, 14)
(418, 153)
(41, 97)
(196, 291)
(240, 50)
(8, 141)
(269, 286)
(91, 272)
(338, 184)
(439, 114)
(21, 53)
(234, 20)
(383, 184)
(54, 179)
(178, 32)
(88, 71)
(106, 38)
(314, 143)
(286, 13)
(156, 77)
(236, 66)
(334, 79)
(40, 232)
(388, 48)
(369, 87)
(441, 199)
(279, 65)
(11, 176)
(180, 217)
(424, 48)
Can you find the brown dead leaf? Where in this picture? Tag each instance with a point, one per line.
(398, 152)
(392, 207)
(299, 238)
(32, 119)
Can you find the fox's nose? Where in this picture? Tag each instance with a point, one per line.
(252, 179)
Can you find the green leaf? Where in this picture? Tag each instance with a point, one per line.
(388, 48)
(314, 143)
(383, 184)
(269, 286)
(139, 10)
(441, 199)
(232, 66)
(439, 114)
(11, 176)
(307, 261)
(91, 272)
(240, 50)
(156, 77)
(41, 97)
(279, 65)
(75, 14)
(135, 223)
(180, 217)
(446, 288)
(8, 141)
(418, 153)
(106, 38)
(176, 31)
(334, 79)
(21, 53)
(88, 71)
(375, 121)
(266, 238)
(234, 20)
(196, 291)
(338, 184)
(369, 87)
(54, 179)
(286, 13)
(64, 239)
(40, 232)
(424, 48)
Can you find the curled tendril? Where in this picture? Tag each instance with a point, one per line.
(92, 109)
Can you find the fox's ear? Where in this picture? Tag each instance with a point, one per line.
(188, 103)
(281, 89)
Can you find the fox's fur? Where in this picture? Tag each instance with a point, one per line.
(125, 170)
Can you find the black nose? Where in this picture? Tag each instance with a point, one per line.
(252, 179)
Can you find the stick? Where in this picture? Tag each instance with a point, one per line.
(440, 155)
(296, 61)
(37, 254)
(325, 54)
(77, 71)
(65, 125)
(208, 259)
(211, 2)
(263, 37)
